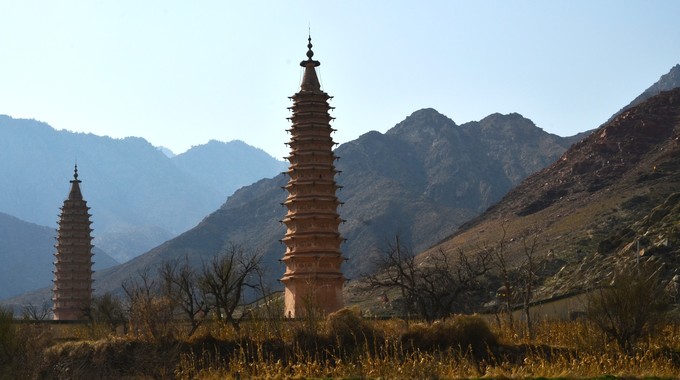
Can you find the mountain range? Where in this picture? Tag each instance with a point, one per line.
(427, 176)
(139, 196)
(421, 180)
(610, 199)
(26, 254)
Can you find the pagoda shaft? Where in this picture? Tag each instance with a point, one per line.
(313, 278)
(72, 291)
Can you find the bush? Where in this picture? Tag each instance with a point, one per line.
(111, 358)
(462, 332)
(21, 346)
(632, 307)
(348, 327)
(8, 339)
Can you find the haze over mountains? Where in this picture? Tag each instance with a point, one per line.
(422, 179)
(26, 254)
(139, 196)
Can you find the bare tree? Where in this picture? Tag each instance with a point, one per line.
(632, 306)
(517, 272)
(181, 285)
(37, 313)
(225, 279)
(141, 286)
(499, 254)
(431, 286)
(108, 309)
(527, 276)
(269, 306)
(149, 312)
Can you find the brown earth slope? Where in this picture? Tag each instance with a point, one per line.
(611, 189)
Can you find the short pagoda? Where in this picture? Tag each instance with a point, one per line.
(73, 264)
(313, 279)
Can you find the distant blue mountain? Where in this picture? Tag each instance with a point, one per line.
(228, 166)
(139, 196)
(26, 256)
(166, 151)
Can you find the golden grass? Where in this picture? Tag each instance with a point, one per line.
(558, 350)
(350, 347)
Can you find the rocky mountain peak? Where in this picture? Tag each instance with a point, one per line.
(424, 121)
(496, 117)
(602, 158)
(512, 125)
(609, 195)
(667, 82)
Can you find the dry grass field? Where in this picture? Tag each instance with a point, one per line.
(342, 346)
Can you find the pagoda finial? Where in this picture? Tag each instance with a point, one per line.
(310, 82)
(310, 53)
(309, 62)
(75, 185)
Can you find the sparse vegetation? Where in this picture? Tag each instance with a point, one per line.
(178, 292)
(108, 310)
(225, 280)
(431, 286)
(345, 346)
(190, 324)
(181, 285)
(632, 307)
(8, 340)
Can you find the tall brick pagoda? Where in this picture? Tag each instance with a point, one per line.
(73, 264)
(313, 279)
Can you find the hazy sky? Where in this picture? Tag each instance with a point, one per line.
(180, 73)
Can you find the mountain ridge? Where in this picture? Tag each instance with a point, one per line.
(393, 183)
(27, 255)
(368, 155)
(128, 183)
(585, 204)
(233, 170)
(666, 82)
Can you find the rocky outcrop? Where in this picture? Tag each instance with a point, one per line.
(608, 194)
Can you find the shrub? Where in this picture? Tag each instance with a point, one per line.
(21, 346)
(348, 327)
(462, 332)
(111, 358)
(8, 339)
(632, 307)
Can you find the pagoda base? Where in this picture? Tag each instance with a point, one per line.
(312, 295)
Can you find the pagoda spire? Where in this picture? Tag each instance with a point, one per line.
(310, 82)
(313, 279)
(75, 193)
(72, 291)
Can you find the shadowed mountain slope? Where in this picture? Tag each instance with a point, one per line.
(27, 256)
(226, 167)
(421, 179)
(139, 197)
(594, 202)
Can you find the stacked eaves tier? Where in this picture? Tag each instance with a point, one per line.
(73, 265)
(313, 279)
